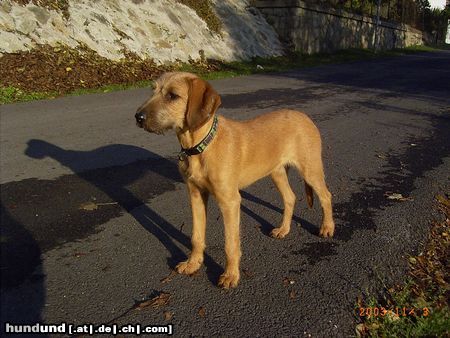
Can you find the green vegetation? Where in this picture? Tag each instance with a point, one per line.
(12, 94)
(409, 318)
(296, 61)
(418, 308)
(110, 88)
(208, 69)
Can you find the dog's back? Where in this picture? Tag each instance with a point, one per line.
(276, 139)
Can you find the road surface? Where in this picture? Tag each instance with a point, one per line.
(95, 216)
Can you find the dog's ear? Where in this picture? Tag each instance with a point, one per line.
(203, 103)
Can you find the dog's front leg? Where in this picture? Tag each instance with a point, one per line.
(230, 206)
(199, 200)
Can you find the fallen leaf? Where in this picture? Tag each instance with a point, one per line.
(361, 330)
(391, 315)
(169, 277)
(292, 294)
(288, 281)
(247, 273)
(89, 206)
(443, 200)
(359, 301)
(397, 197)
(156, 302)
(168, 315)
(202, 312)
(68, 69)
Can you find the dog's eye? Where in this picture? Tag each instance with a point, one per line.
(172, 96)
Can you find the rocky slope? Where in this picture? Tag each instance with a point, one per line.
(162, 30)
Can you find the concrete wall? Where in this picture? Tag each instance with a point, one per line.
(311, 29)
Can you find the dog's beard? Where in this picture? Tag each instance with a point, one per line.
(157, 131)
(159, 125)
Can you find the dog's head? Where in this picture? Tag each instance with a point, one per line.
(180, 101)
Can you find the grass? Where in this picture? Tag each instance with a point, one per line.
(419, 307)
(110, 88)
(11, 94)
(409, 318)
(213, 69)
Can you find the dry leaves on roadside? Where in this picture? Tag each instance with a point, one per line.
(63, 69)
(443, 200)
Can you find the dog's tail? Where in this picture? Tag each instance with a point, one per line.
(309, 195)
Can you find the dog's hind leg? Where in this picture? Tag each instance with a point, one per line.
(279, 177)
(315, 178)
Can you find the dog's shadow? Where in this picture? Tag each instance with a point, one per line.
(265, 226)
(114, 180)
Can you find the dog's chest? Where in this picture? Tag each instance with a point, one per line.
(193, 172)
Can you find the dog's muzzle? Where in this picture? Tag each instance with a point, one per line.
(140, 118)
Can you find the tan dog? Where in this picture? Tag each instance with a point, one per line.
(238, 154)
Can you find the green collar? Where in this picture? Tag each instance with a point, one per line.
(200, 147)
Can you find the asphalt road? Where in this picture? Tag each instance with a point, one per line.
(385, 126)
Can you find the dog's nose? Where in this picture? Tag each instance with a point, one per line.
(140, 117)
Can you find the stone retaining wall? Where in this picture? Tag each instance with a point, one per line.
(311, 29)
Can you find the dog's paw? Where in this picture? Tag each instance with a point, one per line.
(228, 280)
(327, 231)
(188, 267)
(279, 232)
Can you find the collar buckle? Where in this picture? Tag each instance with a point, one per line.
(182, 155)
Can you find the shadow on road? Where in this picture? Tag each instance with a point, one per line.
(130, 186)
(116, 186)
(20, 262)
(266, 227)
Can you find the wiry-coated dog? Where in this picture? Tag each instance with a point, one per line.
(219, 156)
